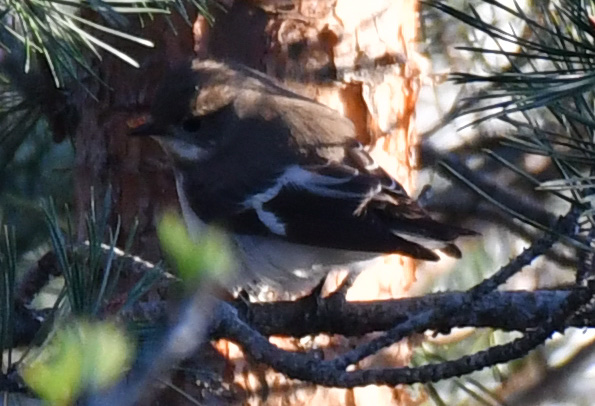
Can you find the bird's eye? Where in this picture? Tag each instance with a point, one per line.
(191, 125)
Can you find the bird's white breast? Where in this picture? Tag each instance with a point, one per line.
(194, 224)
(289, 268)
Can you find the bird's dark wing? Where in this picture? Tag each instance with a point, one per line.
(328, 207)
(395, 206)
(334, 206)
(351, 205)
(304, 191)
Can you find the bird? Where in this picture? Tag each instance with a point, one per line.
(284, 176)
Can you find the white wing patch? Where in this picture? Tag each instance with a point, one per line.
(303, 179)
(317, 183)
(269, 219)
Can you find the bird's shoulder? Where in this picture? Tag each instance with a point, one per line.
(309, 122)
(243, 94)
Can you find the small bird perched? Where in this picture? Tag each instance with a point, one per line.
(285, 176)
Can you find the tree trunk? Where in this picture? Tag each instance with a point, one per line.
(136, 170)
(355, 56)
(359, 58)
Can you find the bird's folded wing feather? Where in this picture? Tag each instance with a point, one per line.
(340, 207)
(331, 195)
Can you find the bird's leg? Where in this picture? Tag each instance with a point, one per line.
(344, 286)
(241, 301)
(315, 294)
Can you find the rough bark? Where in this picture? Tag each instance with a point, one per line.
(141, 181)
(357, 57)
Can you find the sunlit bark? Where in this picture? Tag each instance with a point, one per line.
(355, 56)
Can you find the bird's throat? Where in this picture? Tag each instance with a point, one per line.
(194, 224)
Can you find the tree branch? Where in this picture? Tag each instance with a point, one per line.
(332, 373)
(510, 311)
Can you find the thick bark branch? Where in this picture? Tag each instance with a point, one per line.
(504, 310)
(334, 373)
(517, 310)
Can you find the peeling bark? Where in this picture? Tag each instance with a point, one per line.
(357, 57)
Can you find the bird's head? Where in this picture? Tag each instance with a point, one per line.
(185, 96)
(202, 105)
(171, 121)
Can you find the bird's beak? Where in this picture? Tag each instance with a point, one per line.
(149, 127)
